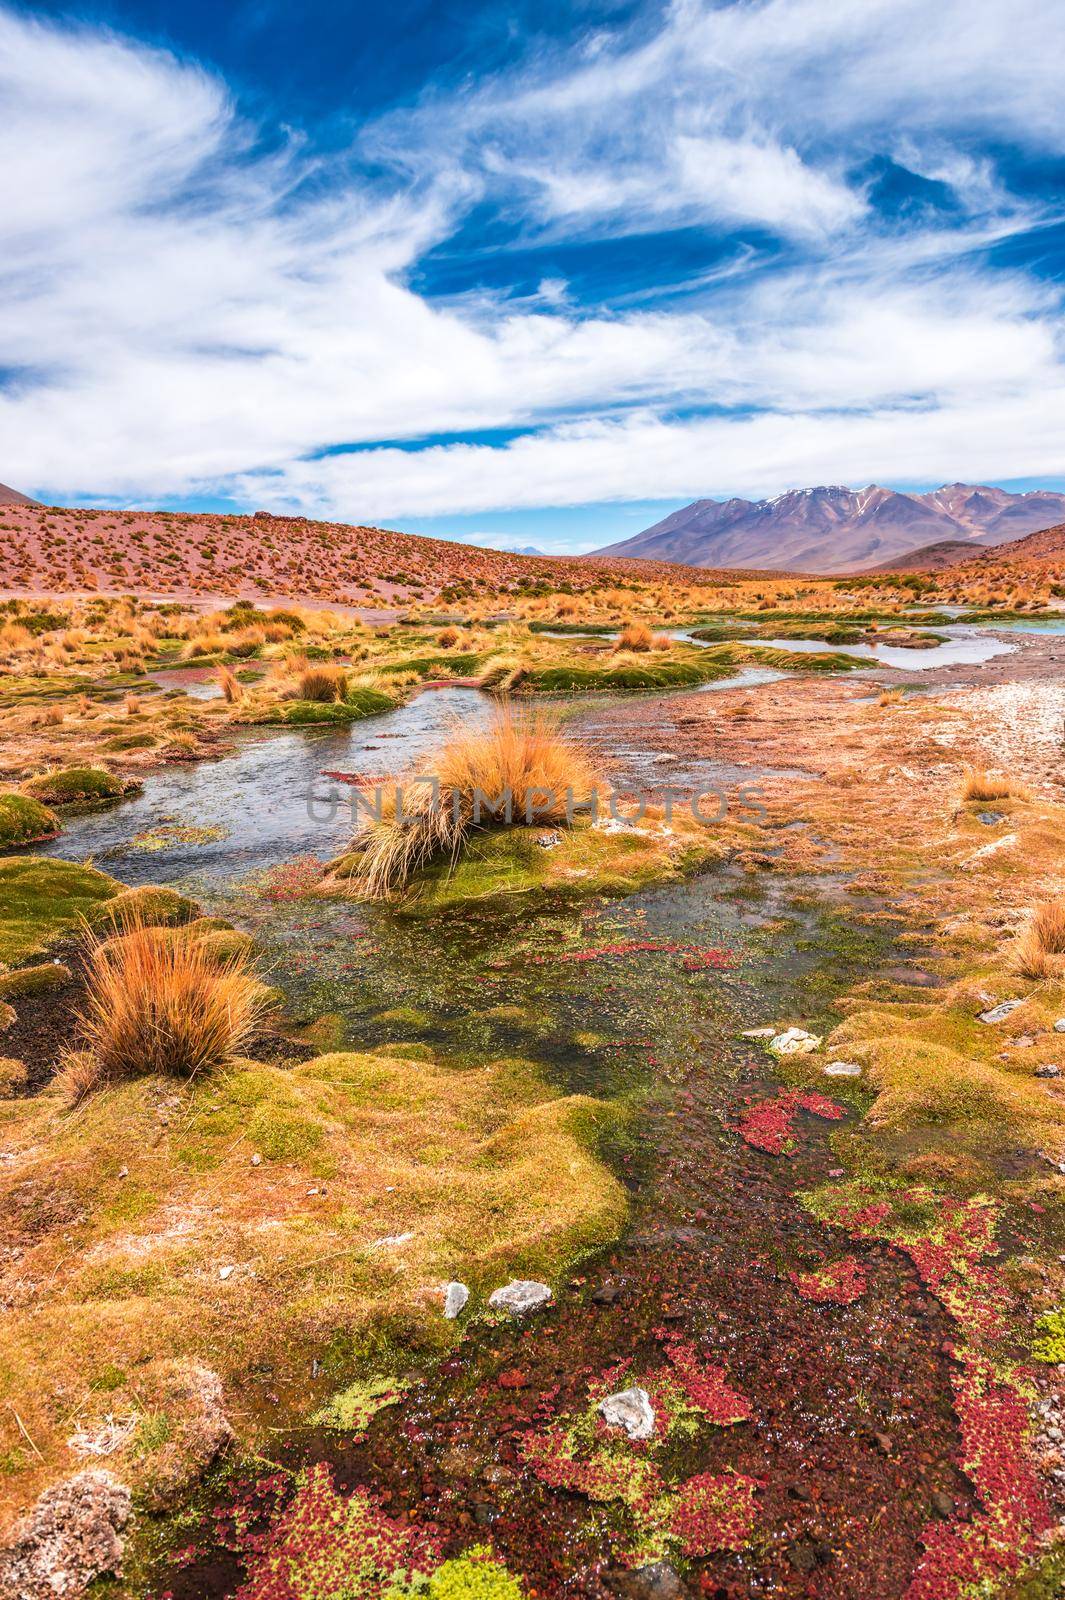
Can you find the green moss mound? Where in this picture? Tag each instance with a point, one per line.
(25, 821)
(131, 741)
(33, 980)
(75, 784)
(651, 674)
(41, 899)
(149, 907)
(308, 713)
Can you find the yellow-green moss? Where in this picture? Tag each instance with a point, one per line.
(41, 898)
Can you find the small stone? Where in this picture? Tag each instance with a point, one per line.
(655, 1582)
(123, 1172)
(794, 1042)
(455, 1297)
(225, 1272)
(884, 1443)
(802, 1556)
(1048, 1070)
(842, 1069)
(758, 1033)
(942, 1505)
(1000, 1012)
(1059, 1026)
(989, 818)
(256, 1160)
(607, 1292)
(630, 1409)
(520, 1296)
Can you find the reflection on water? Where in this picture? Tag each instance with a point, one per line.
(963, 647)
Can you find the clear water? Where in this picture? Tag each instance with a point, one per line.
(270, 799)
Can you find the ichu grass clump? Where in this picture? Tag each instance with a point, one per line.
(520, 767)
(159, 1001)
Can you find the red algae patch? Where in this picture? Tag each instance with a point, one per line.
(840, 1284)
(769, 1125)
(694, 1515)
(949, 1242)
(327, 1546)
(714, 1511)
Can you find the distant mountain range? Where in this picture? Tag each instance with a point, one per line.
(833, 529)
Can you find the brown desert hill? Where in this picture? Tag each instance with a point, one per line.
(926, 558)
(1034, 549)
(832, 529)
(11, 497)
(57, 550)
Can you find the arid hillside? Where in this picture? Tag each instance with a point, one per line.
(48, 549)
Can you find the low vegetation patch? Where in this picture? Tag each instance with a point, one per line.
(40, 899)
(73, 785)
(25, 821)
(257, 1218)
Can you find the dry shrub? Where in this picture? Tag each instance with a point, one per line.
(232, 688)
(276, 632)
(159, 1002)
(447, 638)
(325, 684)
(635, 636)
(133, 705)
(15, 636)
(1038, 951)
(504, 673)
(247, 641)
(204, 644)
(978, 784)
(523, 755)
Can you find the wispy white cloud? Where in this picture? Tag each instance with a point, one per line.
(192, 304)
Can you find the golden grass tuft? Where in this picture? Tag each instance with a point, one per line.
(978, 784)
(521, 757)
(1037, 953)
(327, 685)
(447, 638)
(158, 1001)
(635, 636)
(232, 688)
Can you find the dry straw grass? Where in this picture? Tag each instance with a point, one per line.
(635, 636)
(978, 784)
(327, 685)
(1039, 949)
(521, 755)
(232, 688)
(158, 1001)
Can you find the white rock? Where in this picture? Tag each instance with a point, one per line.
(225, 1272)
(990, 849)
(1059, 1026)
(455, 1297)
(630, 1409)
(520, 1296)
(391, 1240)
(758, 1033)
(1000, 1012)
(842, 1069)
(794, 1042)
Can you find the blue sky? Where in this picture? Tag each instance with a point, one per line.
(531, 272)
